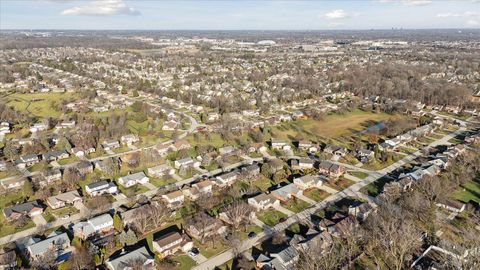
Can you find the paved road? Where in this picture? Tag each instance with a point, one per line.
(353, 190)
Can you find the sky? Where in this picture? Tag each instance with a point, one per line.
(238, 14)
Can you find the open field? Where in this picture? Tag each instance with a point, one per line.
(39, 104)
(332, 126)
(469, 192)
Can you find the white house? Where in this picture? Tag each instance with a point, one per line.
(133, 179)
(309, 181)
(263, 201)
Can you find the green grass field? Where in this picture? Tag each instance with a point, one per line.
(360, 175)
(296, 205)
(39, 104)
(316, 194)
(469, 192)
(271, 217)
(332, 126)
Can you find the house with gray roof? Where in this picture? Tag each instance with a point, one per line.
(62, 199)
(58, 243)
(133, 179)
(17, 211)
(122, 261)
(97, 226)
(101, 187)
(285, 193)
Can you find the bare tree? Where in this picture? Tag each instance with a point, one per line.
(81, 259)
(150, 217)
(237, 214)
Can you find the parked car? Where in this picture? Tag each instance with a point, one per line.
(251, 235)
(193, 252)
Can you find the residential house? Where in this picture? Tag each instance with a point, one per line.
(285, 193)
(263, 201)
(129, 139)
(226, 179)
(201, 188)
(110, 144)
(365, 155)
(452, 205)
(133, 179)
(27, 161)
(17, 211)
(104, 165)
(308, 146)
(160, 170)
(170, 125)
(51, 175)
(3, 165)
(301, 164)
(84, 167)
(81, 152)
(174, 199)
(130, 216)
(38, 127)
(309, 181)
(122, 262)
(186, 162)
(180, 145)
(226, 150)
(330, 168)
(285, 259)
(55, 155)
(13, 183)
(101, 187)
(335, 150)
(251, 170)
(56, 243)
(172, 242)
(98, 226)
(8, 259)
(279, 144)
(65, 125)
(163, 149)
(62, 199)
(207, 227)
(362, 211)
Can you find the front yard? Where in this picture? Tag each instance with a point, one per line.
(316, 194)
(296, 205)
(271, 217)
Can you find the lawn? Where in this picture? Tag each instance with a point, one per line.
(252, 228)
(160, 182)
(316, 194)
(208, 249)
(373, 189)
(69, 160)
(39, 104)
(263, 183)
(271, 217)
(454, 141)
(470, 191)
(296, 205)
(184, 262)
(132, 191)
(332, 126)
(7, 228)
(69, 210)
(340, 183)
(375, 164)
(358, 174)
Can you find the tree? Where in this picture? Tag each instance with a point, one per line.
(237, 214)
(81, 259)
(27, 189)
(150, 217)
(127, 238)
(117, 223)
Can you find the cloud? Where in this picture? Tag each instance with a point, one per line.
(452, 15)
(336, 14)
(417, 2)
(406, 2)
(473, 23)
(102, 8)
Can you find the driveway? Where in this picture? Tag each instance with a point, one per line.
(80, 206)
(284, 210)
(199, 258)
(150, 186)
(120, 197)
(39, 220)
